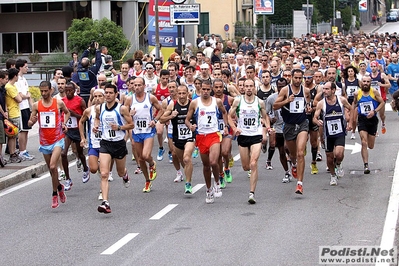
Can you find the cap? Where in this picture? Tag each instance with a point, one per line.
(374, 63)
(204, 66)
(99, 90)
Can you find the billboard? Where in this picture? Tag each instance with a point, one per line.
(264, 7)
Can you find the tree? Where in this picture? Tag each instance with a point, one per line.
(283, 11)
(83, 31)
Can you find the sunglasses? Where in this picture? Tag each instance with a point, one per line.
(287, 75)
(308, 77)
(149, 68)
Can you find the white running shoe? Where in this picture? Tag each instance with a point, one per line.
(251, 198)
(339, 170)
(179, 177)
(110, 178)
(218, 191)
(333, 180)
(353, 136)
(210, 198)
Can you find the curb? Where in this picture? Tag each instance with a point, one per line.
(26, 173)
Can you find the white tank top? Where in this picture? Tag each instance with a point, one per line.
(108, 118)
(207, 117)
(143, 115)
(94, 138)
(150, 83)
(249, 117)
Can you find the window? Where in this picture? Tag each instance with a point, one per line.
(56, 6)
(8, 8)
(25, 43)
(56, 41)
(9, 42)
(39, 7)
(40, 42)
(24, 7)
(203, 28)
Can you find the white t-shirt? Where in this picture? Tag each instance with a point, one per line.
(23, 87)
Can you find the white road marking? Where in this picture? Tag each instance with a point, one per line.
(163, 212)
(388, 234)
(197, 187)
(123, 241)
(237, 157)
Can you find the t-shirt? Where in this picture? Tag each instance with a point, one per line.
(23, 87)
(12, 104)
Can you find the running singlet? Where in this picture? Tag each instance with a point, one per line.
(207, 117)
(274, 79)
(94, 138)
(143, 115)
(351, 88)
(334, 119)
(374, 85)
(50, 125)
(74, 105)
(294, 112)
(366, 104)
(109, 117)
(161, 94)
(180, 131)
(263, 95)
(249, 117)
(121, 85)
(150, 83)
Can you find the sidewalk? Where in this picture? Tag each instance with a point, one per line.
(368, 28)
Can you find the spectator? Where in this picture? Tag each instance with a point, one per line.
(74, 62)
(3, 113)
(246, 46)
(56, 74)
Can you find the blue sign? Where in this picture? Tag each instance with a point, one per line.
(226, 27)
(185, 14)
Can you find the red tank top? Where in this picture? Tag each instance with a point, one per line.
(50, 125)
(161, 94)
(73, 105)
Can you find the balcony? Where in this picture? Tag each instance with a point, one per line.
(247, 4)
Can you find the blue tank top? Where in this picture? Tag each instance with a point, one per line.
(334, 119)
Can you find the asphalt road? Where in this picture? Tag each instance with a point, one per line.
(283, 228)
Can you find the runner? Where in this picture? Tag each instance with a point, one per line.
(112, 120)
(332, 111)
(368, 102)
(205, 109)
(51, 131)
(294, 100)
(250, 133)
(141, 105)
(183, 138)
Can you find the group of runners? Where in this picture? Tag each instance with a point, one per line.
(316, 89)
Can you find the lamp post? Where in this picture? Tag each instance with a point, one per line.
(333, 22)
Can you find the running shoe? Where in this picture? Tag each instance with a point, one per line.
(138, 170)
(210, 197)
(54, 202)
(179, 177)
(366, 170)
(68, 184)
(32, 156)
(160, 154)
(14, 158)
(147, 187)
(86, 176)
(126, 180)
(165, 140)
(299, 189)
(110, 178)
(383, 129)
(249, 174)
(319, 158)
(100, 196)
(227, 175)
(269, 165)
(333, 180)
(153, 172)
(78, 165)
(61, 194)
(294, 171)
(313, 169)
(264, 148)
(26, 156)
(287, 178)
(327, 169)
(188, 189)
(62, 175)
(133, 157)
(104, 207)
(353, 136)
(2, 161)
(231, 162)
(222, 182)
(170, 158)
(195, 153)
(251, 198)
(217, 191)
(339, 171)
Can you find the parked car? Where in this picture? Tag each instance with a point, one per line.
(392, 16)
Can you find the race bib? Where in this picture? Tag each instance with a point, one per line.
(183, 132)
(72, 122)
(350, 90)
(142, 123)
(249, 122)
(221, 126)
(298, 105)
(366, 107)
(47, 119)
(334, 127)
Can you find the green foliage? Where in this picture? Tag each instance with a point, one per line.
(57, 56)
(35, 57)
(283, 11)
(346, 18)
(35, 93)
(6, 55)
(83, 31)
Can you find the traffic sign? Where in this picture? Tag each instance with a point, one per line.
(185, 14)
(363, 5)
(226, 27)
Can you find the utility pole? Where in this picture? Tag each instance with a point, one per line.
(308, 16)
(333, 22)
(156, 30)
